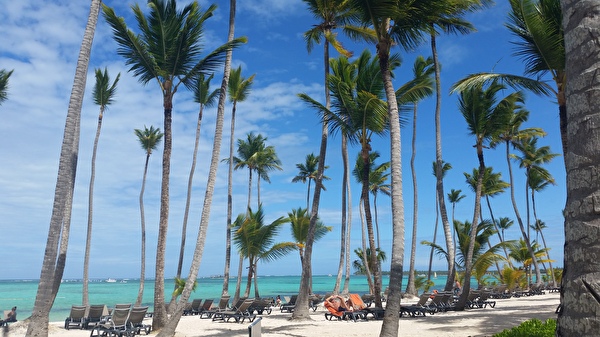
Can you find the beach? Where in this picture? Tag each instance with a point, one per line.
(487, 321)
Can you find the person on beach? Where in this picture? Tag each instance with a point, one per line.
(11, 316)
(457, 288)
(338, 302)
(278, 301)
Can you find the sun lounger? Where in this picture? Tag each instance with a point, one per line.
(261, 306)
(76, 317)
(97, 313)
(239, 314)
(193, 308)
(290, 305)
(117, 325)
(136, 321)
(221, 307)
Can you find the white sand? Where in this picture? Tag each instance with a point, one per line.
(472, 322)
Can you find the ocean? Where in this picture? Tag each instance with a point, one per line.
(21, 293)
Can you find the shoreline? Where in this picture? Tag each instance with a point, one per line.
(478, 322)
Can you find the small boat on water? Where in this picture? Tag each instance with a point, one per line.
(110, 280)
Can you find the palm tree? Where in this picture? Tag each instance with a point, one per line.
(539, 227)
(485, 116)
(520, 253)
(58, 233)
(267, 161)
(330, 14)
(206, 98)
(454, 197)
(484, 255)
(104, 94)
(412, 92)
(4, 76)
(238, 89)
(401, 23)
(446, 17)
(578, 295)
(445, 168)
(537, 24)
(149, 139)
(248, 151)
(493, 185)
(169, 329)
(307, 172)
(359, 264)
(300, 222)
(171, 57)
(255, 241)
(537, 183)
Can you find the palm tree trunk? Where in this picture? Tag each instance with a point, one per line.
(140, 295)
(169, 329)
(410, 288)
(346, 288)
(343, 229)
(579, 294)
(365, 257)
(88, 239)
(391, 322)
(238, 283)
(53, 262)
(435, 229)
(439, 163)
(489, 205)
(225, 290)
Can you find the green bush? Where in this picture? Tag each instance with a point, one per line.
(531, 328)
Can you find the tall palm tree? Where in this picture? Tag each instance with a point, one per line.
(169, 329)
(238, 89)
(308, 172)
(420, 87)
(446, 17)
(454, 197)
(359, 111)
(255, 241)
(103, 93)
(58, 233)
(206, 98)
(171, 57)
(539, 227)
(4, 76)
(537, 24)
(401, 23)
(485, 115)
(578, 297)
(445, 168)
(330, 14)
(149, 139)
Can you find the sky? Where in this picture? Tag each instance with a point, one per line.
(41, 41)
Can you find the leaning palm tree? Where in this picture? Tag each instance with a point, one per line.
(539, 227)
(206, 98)
(169, 329)
(170, 57)
(4, 76)
(445, 168)
(149, 139)
(330, 14)
(537, 24)
(308, 172)
(238, 89)
(484, 115)
(255, 241)
(60, 221)
(413, 92)
(103, 93)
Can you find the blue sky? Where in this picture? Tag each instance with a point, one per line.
(41, 42)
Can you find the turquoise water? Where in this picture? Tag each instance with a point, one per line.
(21, 293)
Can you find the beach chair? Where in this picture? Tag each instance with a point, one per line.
(76, 317)
(359, 308)
(261, 306)
(10, 316)
(313, 301)
(239, 314)
(419, 308)
(136, 321)
(206, 306)
(332, 312)
(192, 308)
(117, 325)
(221, 307)
(97, 313)
(290, 305)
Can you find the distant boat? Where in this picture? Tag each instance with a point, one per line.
(434, 275)
(111, 280)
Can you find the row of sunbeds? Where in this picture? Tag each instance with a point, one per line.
(123, 320)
